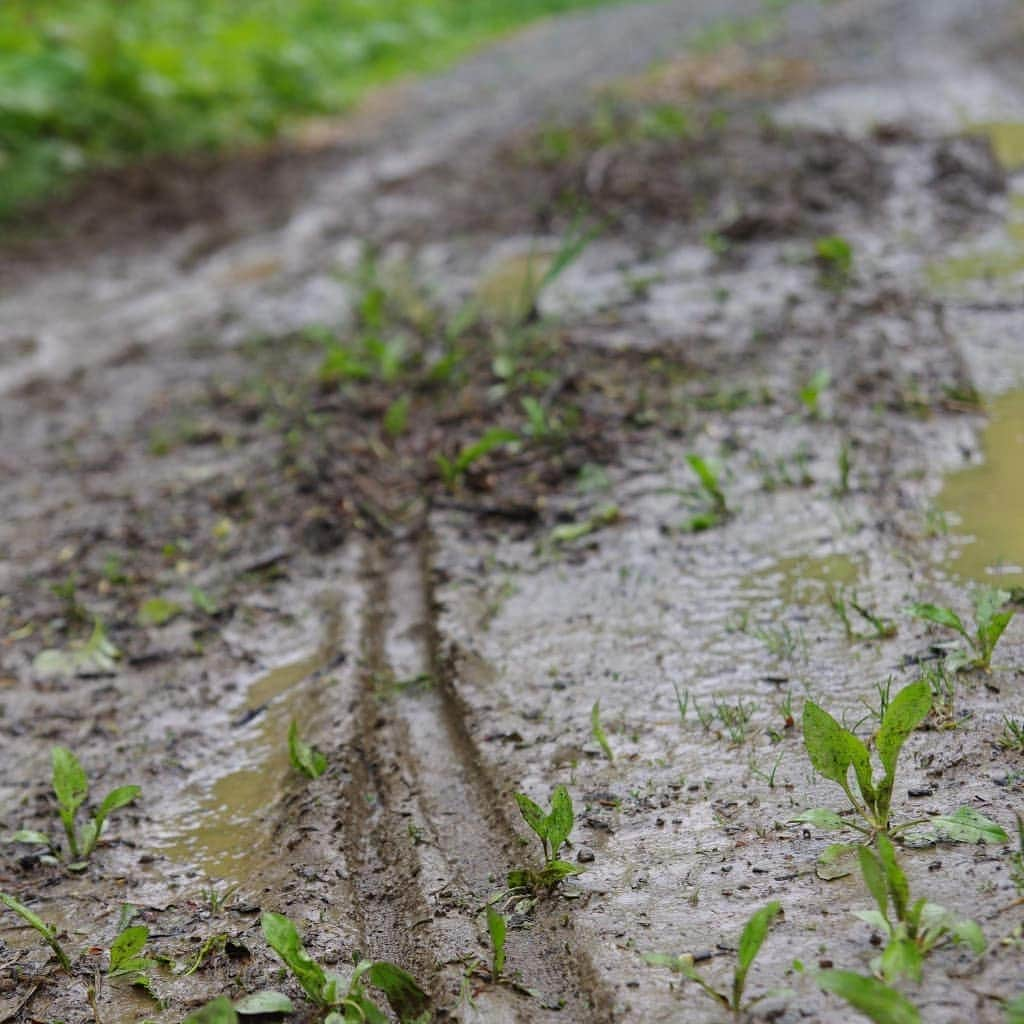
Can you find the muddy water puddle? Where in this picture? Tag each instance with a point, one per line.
(222, 827)
(984, 504)
(803, 579)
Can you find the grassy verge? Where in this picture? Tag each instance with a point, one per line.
(88, 83)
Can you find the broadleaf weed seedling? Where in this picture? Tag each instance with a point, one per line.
(345, 999)
(47, 931)
(913, 929)
(991, 617)
(304, 757)
(552, 828)
(126, 962)
(751, 940)
(833, 751)
(497, 929)
(71, 787)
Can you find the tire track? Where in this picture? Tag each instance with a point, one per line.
(428, 840)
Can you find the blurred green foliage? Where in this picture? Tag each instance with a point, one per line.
(87, 83)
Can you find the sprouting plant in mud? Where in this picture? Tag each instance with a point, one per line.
(47, 931)
(345, 999)
(716, 507)
(834, 258)
(453, 470)
(552, 828)
(875, 999)
(125, 960)
(913, 928)
(810, 394)
(304, 757)
(842, 603)
(991, 617)
(751, 940)
(1012, 736)
(93, 657)
(497, 929)
(71, 787)
(834, 751)
(844, 466)
(597, 731)
(568, 533)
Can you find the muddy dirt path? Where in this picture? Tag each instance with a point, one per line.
(258, 516)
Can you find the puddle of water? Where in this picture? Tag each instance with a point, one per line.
(1007, 138)
(985, 503)
(223, 830)
(508, 290)
(804, 579)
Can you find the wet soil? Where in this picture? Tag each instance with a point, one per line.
(264, 431)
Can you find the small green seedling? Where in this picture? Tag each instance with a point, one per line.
(71, 787)
(754, 933)
(1012, 736)
(869, 996)
(48, 932)
(844, 465)
(345, 1000)
(914, 929)
(810, 394)
(396, 417)
(125, 961)
(567, 533)
(304, 757)
(453, 470)
(833, 751)
(552, 828)
(497, 928)
(834, 258)
(843, 603)
(96, 656)
(597, 731)
(717, 509)
(991, 617)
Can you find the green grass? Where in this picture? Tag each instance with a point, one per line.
(92, 83)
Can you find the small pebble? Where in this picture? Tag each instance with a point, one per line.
(585, 855)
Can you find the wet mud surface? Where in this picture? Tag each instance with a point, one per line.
(283, 446)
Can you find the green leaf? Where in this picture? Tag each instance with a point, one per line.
(304, 757)
(491, 439)
(896, 880)
(407, 999)
(597, 731)
(821, 817)
(48, 932)
(560, 821)
(751, 940)
(556, 871)
(1015, 1011)
(158, 611)
(874, 878)
(968, 826)
(533, 815)
(115, 800)
(96, 656)
(837, 861)
(396, 417)
(861, 761)
(26, 835)
(220, 1011)
(497, 928)
(69, 780)
(266, 1001)
(902, 958)
(940, 616)
(284, 940)
(906, 711)
(825, 740)
(127, 946)
(876, 1000)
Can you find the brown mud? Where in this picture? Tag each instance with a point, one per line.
(265, 431)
